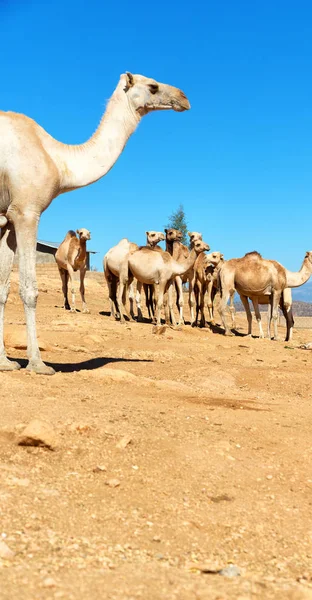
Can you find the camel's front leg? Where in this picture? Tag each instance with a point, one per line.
(26, 234)
(82, 290)
(227, 288)
(138, 301)
(72, 288)
(170, 301)
(160, 300)
(275, 302)
(232, 309)
(64, 277)
(258, 316)
(191, 296)
(7, 251)
(180, 299)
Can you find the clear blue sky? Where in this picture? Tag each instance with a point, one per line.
(240, 161)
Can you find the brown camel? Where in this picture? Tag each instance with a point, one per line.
(151, 267)
(35, 169)
(255, 277)
(152, 240)
(180, 253)
(204, 275)
(71, 256)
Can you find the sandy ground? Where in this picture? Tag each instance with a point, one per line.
(176, 454)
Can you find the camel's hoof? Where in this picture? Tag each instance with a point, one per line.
(73, 310)
(40, 368)
(86, 311)
(9, 365)
(229, 333)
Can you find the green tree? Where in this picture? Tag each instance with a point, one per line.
(178, 221)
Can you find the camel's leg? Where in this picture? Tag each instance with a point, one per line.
(269, 317)
(275, 302)
(131, 299)
(7, 251)
(227, 289)
(258, 316)
(64, 277)
(246, 306)
(160, 300)
(72, 288)
(26, 235)
(82, 290)
(232, 310)
(170, 302)
(122, 297)
(180, 299)
(209, 302)
(196, 294)
(191, 296)
(138, 301)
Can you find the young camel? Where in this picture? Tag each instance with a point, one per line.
(35, 169)
(151, 267)
(180, 252)
(254, 277)
(71, 256)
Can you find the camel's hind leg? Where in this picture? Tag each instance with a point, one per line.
(246, 306)
(258, 316)
(82, 290)
(64, 277)
(7, 251)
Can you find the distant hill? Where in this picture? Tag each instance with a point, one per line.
(303, 293)
(300, 309)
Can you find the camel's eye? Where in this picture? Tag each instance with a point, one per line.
(153, 88)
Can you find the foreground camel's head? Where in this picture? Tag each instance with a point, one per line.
(200, 246)
(308, 255)
(213, 259)
(194, 235)
(173, 235)
(145, 95)
(84, 234)
(153, 237)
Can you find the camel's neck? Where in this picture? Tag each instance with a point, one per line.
(82, 249)
(182, 267)
(81, 165)
(297, 278)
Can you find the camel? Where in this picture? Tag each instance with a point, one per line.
(35, 169)
(205, 276)
(255, 277)
(152, 240)
(71, 256)
(151, 267)
(112, 262)
(180, 252)
(285, 305)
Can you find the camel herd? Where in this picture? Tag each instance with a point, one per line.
(160, 271)
(35, 168)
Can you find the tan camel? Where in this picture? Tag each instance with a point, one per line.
(35, 168)
(254, 277)
(152, 240)
(203, 280)
(151, 267)
(112, 262)
(71, 256)
(180, 252)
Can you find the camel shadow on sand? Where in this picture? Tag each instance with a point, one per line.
(86, 365)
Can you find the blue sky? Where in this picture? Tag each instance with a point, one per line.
(240, 161)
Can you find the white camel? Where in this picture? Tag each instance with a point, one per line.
(35, 168)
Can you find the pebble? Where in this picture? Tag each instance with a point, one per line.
(112, 482)
(38, 433)
(5, 552)
(230, 571)
(124, 441)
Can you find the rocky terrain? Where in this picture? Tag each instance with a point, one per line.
(171, 465)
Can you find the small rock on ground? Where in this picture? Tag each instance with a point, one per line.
(38, 433)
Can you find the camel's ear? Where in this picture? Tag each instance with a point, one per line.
(221, 256)
(189, 233)
(77, 231)
(129, 81)
(165, 230)
(146, 232)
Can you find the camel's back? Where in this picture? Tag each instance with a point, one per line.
(65, 248)
(256, 274)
